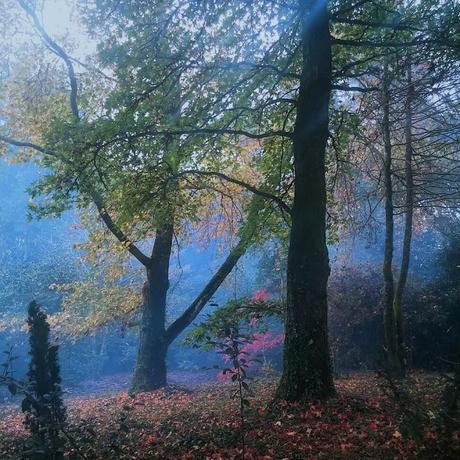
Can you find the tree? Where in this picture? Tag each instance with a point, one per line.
(400, 131)
(252, 91)
(307, 367)
(252, 100)
(92, 162)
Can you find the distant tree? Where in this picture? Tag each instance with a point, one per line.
(43, 406)
(403, 56)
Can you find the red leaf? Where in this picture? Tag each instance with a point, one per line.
(373, 426)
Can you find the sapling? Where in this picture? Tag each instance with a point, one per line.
(231, 347)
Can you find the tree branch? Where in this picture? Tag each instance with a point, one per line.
(97, 199)
(237, 132)
(359, 89)
(241, 183)
(117, 232)
(59, 51)
(246, 235)
(16, 143)
(390, 44)
(377, 24)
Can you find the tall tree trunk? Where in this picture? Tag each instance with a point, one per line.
(307, 372)
(391, 342)
(150, 370)
(409, 211)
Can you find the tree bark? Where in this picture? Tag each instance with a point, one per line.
(307, 372)
(391, 343)
(150, 370)
(409, 212)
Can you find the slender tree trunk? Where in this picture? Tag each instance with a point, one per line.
(246, 235)
(181, 323)
(150, 370)
(391, 342)
(307, 372)
(409, 211)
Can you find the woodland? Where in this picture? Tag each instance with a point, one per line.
(230, 229)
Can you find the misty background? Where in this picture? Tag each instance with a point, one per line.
(39, 254)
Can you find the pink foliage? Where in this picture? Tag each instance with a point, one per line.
(263, 341)
(221, 377)
(260, 295)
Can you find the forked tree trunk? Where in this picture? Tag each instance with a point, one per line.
(150, 370)
(393, 322)
(307, 372)
(409, 212)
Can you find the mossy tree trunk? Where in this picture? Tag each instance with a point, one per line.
(307, 372)
(150, 370)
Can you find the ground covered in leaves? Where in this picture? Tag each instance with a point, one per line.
(363, 421)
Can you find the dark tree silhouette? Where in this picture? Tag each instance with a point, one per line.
(43, 405)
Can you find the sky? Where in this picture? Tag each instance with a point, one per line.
(56, 16)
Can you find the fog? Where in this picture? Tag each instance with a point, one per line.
(40, 253)
(229, 230)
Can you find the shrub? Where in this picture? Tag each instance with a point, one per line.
(43, 406)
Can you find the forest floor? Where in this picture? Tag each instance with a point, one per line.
(120, 382)
(364, 421)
